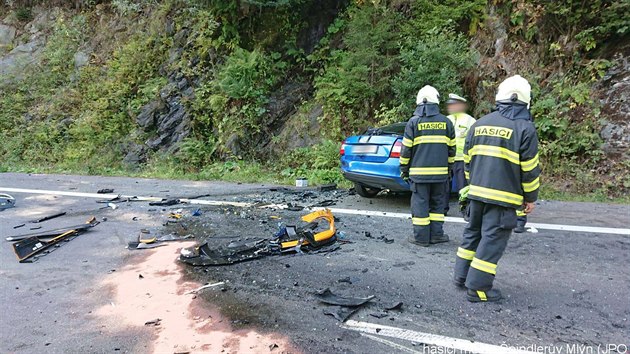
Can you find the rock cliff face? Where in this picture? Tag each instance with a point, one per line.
(167, 123)
(21, 45)
(614, 97)
(292, 118)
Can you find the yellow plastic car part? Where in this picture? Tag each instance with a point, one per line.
(325, 214)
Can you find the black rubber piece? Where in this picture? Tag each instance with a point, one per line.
(341, 313)
(328, 187)
(46, 218)
(326, 296)
(366, 192)
(165, 202)
(203, 255)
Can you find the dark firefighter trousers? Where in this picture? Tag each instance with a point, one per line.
(457, 174)
(485, 239)
(427, 210)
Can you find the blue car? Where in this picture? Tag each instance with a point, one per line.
(372, 160)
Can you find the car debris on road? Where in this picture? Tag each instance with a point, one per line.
(342, 307)
(6, 201)
(287, 239)
(56, 232)
(48, 217)
(28, 246)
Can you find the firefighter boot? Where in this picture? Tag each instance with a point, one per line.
(491, 295)
(413, 240)
(439, 239)
(520, 226)
(459, 282)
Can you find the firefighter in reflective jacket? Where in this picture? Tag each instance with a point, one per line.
(457, 106)
(501, 156)
(427, 154)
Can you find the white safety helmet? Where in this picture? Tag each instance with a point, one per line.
(428, 93)
(515, 88)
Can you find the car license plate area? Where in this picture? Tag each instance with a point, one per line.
(364, 149)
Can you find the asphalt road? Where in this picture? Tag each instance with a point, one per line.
(562, 288)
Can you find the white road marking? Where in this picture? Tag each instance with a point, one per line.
(401, 348)
(555, 227)
(112, 195)
(462, 345)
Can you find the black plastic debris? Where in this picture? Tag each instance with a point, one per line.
(313, 236)
(28, 246)
(386, 240)
(326, 296)
(393, 306)
(341, 313)
(204, 255)
(294, 207)
(49, 217)
(6, 201)
(379, 314)
(323, 203)
(105, 191)
(165, 202)
(18, 226)
(171, 237)
(155, 322)
(144, 246)
(118, 199)
(328, 187)
(345, 280)
(55, 232)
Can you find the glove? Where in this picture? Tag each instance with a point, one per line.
(463, 194)
(405, 176)
(463, 201)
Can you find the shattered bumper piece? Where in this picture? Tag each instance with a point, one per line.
(6, 201)
(203, 255)
(28, 247)
(326, 296)
(288, 239)
(294, 241)
(56, 232)
(341, 313)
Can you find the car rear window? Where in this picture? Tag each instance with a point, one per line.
(396, 128)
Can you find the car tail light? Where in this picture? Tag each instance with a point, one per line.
(396, 149)
(342, 150)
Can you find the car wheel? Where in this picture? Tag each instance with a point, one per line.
(366, 192)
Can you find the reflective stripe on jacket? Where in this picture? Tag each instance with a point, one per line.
(428, 145)
(501, 156)
(462, 123)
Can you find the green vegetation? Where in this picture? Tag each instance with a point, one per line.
(365, 71)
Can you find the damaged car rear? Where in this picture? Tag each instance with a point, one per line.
(372, 160)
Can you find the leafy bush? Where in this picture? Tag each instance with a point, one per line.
(356, 80)
(319, 163)
(23, 14)
(237, 97)
(440, 59)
